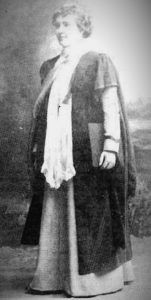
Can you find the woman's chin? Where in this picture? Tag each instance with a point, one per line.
(68, 44)
(64, 43)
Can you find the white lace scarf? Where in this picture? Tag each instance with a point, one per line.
(58, 155)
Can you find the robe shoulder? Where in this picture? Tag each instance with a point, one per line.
(107, 75)
(46, 67)
(101, 68)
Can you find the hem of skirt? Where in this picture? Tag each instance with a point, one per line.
(32, 291)
(68, 293)
(98, 294)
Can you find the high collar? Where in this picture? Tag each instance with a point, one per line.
(84, 46)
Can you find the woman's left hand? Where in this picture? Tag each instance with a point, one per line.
(107, 160)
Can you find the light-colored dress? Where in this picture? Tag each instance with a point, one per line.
(57, 266)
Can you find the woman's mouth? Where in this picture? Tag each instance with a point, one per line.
(61, 37)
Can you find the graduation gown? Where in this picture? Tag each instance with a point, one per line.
(101, 196)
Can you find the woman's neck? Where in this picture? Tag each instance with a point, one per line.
(83, 46)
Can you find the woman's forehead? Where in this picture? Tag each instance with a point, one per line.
(68, 18)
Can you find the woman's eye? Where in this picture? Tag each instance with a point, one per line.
(57, 25)
(66, 24)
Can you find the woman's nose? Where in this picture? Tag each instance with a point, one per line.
(60, 29)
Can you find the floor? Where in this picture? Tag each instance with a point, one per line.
(17, 267)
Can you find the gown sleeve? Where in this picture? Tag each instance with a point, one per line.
(106, 89)
(38, 125)
(106, 73)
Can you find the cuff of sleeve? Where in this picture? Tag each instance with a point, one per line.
(111, 145)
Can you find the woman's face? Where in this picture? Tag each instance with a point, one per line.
(67, 31)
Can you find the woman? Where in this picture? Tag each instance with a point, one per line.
(84, 169)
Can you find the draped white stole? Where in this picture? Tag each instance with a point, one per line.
(58, 154)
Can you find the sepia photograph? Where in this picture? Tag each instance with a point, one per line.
(75, 149)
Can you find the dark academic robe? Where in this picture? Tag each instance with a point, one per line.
(101, 196)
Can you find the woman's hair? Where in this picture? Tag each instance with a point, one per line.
(83, 20)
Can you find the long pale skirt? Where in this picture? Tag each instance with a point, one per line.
(57, 264)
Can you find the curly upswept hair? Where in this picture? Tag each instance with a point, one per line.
(83, 20)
